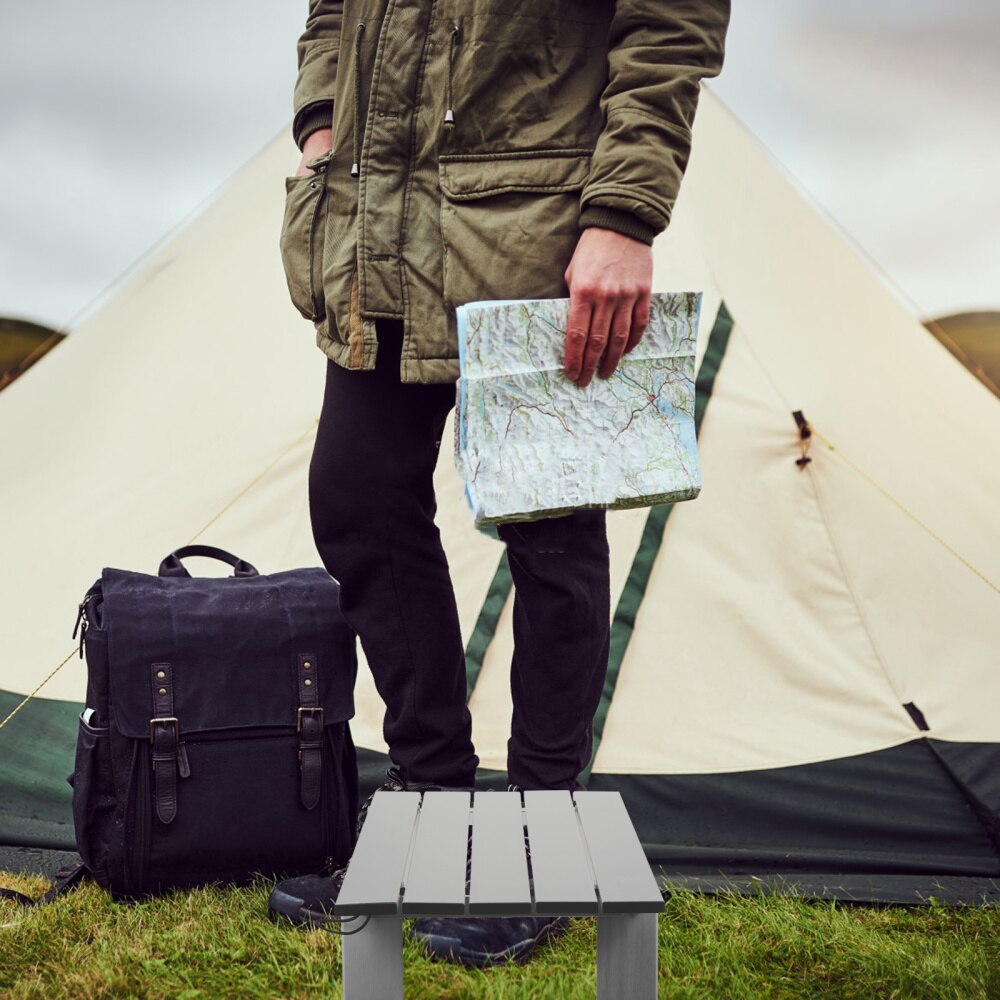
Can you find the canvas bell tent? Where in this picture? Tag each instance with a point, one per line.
(805, 666)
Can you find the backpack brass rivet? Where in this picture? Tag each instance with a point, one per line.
(307, 665)
(160, 674)
(162, 691)
(307, 682)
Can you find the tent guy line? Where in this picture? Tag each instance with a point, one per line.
(239, 496)
(253, 482)
(17, 708)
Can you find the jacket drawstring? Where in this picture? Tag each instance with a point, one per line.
(356, 165)
(449, 115)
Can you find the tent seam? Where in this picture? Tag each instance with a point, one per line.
(870, 479)
(817, 494)
(855, 600)
(984, 814)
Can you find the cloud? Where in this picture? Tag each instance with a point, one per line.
(885, 112)
(118, 119)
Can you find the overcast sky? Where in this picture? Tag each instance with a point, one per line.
(117, 119)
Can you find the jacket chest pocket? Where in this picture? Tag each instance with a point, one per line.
(302, 233)
(509, 223)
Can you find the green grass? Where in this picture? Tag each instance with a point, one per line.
(219, 943)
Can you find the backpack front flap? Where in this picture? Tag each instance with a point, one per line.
(229, 653)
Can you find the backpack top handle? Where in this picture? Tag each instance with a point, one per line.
(172, 566)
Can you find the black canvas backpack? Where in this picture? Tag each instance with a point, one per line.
(215, 742)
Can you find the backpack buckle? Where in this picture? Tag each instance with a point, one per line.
(163, 721)
(311, 711)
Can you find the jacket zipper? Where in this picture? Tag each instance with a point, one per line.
(356, 165)
(449, 114)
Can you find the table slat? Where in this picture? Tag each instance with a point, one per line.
(499, 880)
(562, 879)
(435, 879)
(375, 872)
(624, 879)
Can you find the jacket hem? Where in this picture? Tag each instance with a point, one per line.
(413, 371)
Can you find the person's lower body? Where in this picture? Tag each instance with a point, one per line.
(372, 506)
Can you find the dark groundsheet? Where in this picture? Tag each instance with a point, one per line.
(908, 824)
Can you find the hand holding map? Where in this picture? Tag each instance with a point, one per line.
(530, 443)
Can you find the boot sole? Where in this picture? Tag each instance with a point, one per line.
(282, 906)
(449, 949)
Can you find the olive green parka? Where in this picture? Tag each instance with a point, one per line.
(472, 140)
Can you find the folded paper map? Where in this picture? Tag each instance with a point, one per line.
(529, 443)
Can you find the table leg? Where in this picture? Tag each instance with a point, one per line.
(373, 959)
(626, 956)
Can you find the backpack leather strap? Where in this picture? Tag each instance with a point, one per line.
(65, 878)
(164, 734)
(309, 722)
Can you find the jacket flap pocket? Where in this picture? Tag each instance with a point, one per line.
(468, 177)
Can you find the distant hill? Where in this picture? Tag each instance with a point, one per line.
(22, 343)
(974, 338)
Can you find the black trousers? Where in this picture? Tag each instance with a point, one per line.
(372, 506)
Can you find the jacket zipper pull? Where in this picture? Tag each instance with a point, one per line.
(449, 114)
(356, 164)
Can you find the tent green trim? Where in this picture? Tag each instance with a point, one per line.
(486, 623)
(36, 760)
(623, 622)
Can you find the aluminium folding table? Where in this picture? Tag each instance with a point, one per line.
(585, 860)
